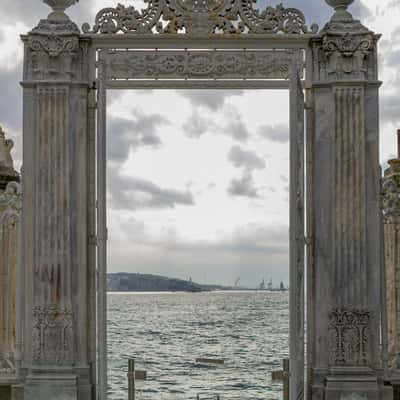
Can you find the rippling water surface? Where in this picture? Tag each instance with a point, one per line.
(166, 332)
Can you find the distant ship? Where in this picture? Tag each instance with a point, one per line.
(269, 286)
(262, 285)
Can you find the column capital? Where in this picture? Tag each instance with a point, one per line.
(345, 49)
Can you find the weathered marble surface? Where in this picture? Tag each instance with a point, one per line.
(345, 266)
(58, 357)
(344, 275)
(391, 212)
(10, 215)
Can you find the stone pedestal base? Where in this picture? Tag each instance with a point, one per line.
(350, 386)
(51, 386)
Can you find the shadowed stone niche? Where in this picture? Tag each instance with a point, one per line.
(10, 214)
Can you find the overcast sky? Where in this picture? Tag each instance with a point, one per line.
(198, 181)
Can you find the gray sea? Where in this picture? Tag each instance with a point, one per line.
(166, 332)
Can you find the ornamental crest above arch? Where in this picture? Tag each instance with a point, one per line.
(200, 17)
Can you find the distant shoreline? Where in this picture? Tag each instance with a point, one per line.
(139, 283)
(189, 292)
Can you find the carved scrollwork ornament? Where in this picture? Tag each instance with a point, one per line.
(200, 17)
(52, 334)
(199, 64)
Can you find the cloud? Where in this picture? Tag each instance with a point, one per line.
(243, 187)
(277, 133)
(232, 125)
(197, 125)
(235, 128)
(126, 134)
(213, 100)
(11, 93)
(361, 11)
(247, 159)
(250, 251)
(392, 59)
(390, 108)
(132, 193)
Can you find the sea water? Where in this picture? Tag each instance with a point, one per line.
(166, 332)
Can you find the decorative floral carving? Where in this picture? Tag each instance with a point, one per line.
(347, 54)
(200, 17)
(349, 336)
(273, 19)
(11, 199)
(52, 335)
(200, 64)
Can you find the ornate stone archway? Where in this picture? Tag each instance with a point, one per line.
(231, 45)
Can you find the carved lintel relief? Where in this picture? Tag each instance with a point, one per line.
(204, 17)
(349, 336)
(199, 64)
(52, 335)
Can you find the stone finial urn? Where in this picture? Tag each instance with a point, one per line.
(59, 7)
(340, 6)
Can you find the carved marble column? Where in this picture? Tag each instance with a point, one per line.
(345, 270)
(10, 213)
(58, 356)
(391, 213)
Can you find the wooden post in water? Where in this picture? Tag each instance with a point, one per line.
(283, 376)
(131, 379)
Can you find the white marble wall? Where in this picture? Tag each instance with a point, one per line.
(58, 359)
(345, 271)
(10, 216)
(391, 211)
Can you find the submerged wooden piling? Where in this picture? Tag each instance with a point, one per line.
(131, 379)
(283, 376)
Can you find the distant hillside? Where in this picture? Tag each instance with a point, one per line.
(126, 282)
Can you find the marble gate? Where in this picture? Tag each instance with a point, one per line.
(232, 45)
